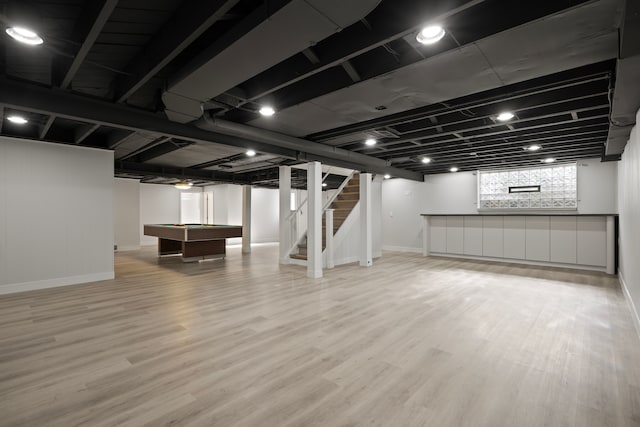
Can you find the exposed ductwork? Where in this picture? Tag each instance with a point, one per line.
(308, 150)
(291, 26)
(626, 98)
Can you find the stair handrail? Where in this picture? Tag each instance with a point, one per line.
(338, 191)
(293, 213)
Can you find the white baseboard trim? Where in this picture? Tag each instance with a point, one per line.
(127, 248)
(346, 260)
(54, 283)
(522, 261)
(402, 249)
(632, 306)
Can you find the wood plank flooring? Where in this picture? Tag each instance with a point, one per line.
(411, 341)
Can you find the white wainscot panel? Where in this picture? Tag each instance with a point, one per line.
(492, 236)
(514, 237)
(563, 239)
(592, 240)
(455, 234)
(537, 239)
(473, 235)
(438, 234)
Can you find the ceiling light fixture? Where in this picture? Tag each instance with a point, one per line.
(19, 120)
(426, 160)
(505, 116)
(183, 185)
(548, 160)
(324, 184)
(251, 153)
(431, 34)
(454, 169)
(534, 147)
(387, 176)
(370, 142)
(267, 111)
(24, 35)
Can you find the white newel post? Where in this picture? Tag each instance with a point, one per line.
(246, 219)
(329, 239)
(285, 203)
(366, 239)
(314, 229)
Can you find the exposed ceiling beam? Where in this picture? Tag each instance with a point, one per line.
(166, 146)
(143, 169)
(88, 27)
(186, 25)
(119, 137)
(148, 146)
(221, 161)
(351, 71)
(83, 132)
(311, 55)
(44, 100)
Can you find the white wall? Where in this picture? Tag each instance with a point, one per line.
(629, 204)
(264, 215)
(126, 213)
(56, 215)
(159, 204)
(456, 193)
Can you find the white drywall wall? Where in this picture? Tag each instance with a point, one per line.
(56, 215)
(126, 213)
(159, 204)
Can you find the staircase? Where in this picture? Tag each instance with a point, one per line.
(342, 206)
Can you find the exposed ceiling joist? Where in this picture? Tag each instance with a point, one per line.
(186, 25)
(143, 169)
(84, 132)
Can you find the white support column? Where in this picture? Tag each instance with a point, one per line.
(366, 237)
(285, 203)
(611, 245)
(246, 219)
(329, 239)
(426, 241)
(314, 229)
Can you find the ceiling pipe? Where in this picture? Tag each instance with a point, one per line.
(308, 150)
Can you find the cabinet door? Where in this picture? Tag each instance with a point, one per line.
(514, 237)
(537, 244)
(592, 240)
(563, 239)
(492, 236)
(455, 235)
(438, 234)
(473, 235)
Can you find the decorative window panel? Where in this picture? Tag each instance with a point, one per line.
(558, 188)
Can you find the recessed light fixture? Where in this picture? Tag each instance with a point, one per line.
(426, 160)
(370, 142)
(324, 184)
(251, 153)
(431, 34)
(19, 120)
(24, 35)
(505, 116)
(267, 111)
(184, 185)
(454, 169)
(548, 160)
(387, 176)
(533, 147)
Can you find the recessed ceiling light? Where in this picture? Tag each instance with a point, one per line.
(454, 169)
(267, 111)
(19, 120)
(370, 142)
(324, 184)
(251, 153)
(505, 116)
(534, 147)
(431, 34)
(548, 160)
(426, 160)
(24, 35)
(387, 176)
(184, 185)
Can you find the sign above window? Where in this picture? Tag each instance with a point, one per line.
(547, 187)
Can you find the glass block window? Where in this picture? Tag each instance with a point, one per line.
(557, 188)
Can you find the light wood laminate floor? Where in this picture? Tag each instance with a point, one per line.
(411, 341)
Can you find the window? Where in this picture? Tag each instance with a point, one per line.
(548, 187)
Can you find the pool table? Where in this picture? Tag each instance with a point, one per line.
(193, 241)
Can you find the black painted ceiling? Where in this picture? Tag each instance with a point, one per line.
(552, 63)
